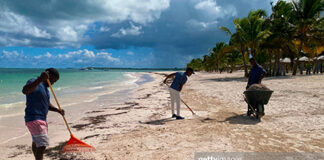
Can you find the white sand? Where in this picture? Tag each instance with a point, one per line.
(141, 127)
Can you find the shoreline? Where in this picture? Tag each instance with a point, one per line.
(18, 136)
(140, 127)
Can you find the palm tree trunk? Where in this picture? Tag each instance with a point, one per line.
(297, 56)
(244, 63)
(270, 65)
(277, 71)
(253, 52)
(315, 71)
(291, 56)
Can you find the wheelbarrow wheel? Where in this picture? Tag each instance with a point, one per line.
(249, 112)
(259, 111)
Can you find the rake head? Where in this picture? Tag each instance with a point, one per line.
(76, 145)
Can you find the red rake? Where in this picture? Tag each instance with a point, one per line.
(74, 144)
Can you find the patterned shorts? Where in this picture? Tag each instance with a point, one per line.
(38, 130)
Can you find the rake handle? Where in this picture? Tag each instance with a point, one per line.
(188, 107)
(50, 85)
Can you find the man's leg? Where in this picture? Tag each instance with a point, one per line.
(40, 153)
(177, 98)
(172, 101)
(34, 149)
(38, 130)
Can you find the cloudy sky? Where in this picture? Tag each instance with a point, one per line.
(114, 33)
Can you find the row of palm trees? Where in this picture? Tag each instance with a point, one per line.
(293, 29)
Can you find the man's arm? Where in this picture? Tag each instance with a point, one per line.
(54, 109)
(29, 88)
(262, 76)
(181, 87)
(169, 76)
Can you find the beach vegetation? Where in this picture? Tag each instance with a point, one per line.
(290, 38)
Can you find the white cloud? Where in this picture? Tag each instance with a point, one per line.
(213, 10)
(200, 24)
(89, 54)
(78, 58)
(38, 57)
(133, 31)
(67, 33)
(104, 29)
(86, 57)
(139, 11)
(130, 53)
(65, 24)
(12, 56)
(13, 23)
(230, 10)
(48, 55)
(9, 54)
(107, 56)
(78, 61)
(209, 6)
(34, 31)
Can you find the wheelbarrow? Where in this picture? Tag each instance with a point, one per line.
(256, 101)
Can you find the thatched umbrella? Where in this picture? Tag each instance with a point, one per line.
(320, 58)
(284, 63)
(304, 59)
(319, 64)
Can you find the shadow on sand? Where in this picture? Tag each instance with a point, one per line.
(227, 79)
(243, 79)
(241, 119)
(55, 152)
(157, 122)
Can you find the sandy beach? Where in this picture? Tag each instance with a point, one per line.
(138, 125)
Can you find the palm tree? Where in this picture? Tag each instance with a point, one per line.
(195, 64)
(207, 63)
(281, 37)
(249, 34)
(231, 59)
(307, 17)
(252, 27)
(217, 54)
(292, 27)
(237, 42)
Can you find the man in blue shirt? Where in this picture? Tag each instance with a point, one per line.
(37, 106)
(257, 73)
(180, 78)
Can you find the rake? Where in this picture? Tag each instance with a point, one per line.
(74, 144)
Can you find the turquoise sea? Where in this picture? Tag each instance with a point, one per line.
(71, 82)
(75, 86)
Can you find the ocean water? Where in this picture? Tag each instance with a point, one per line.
(72, 82)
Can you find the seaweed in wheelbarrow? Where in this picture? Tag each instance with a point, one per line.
(256, 99)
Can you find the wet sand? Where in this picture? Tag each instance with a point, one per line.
(140, 127)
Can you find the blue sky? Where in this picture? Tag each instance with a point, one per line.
(114, 33)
